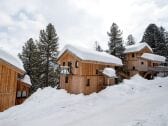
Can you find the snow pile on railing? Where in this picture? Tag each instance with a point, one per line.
(110, 72)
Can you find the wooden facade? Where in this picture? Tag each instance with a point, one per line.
(9, 81)
(85, 76)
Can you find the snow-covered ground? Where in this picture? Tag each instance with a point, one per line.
(135, 102)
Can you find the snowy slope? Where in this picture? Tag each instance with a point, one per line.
(135, 102)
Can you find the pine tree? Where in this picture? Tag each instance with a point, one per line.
(48, 46)
(161, 48)
(155, 37)
(166, 41)
(98, 47)
(115, 41)
(31, 60)
(152, 36)
(130, 40)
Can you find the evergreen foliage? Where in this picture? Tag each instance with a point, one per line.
(130, 40)
(30, 57)
(115, 41)
(98, 47)
(39, 59)
(48, 46)
(155, 37)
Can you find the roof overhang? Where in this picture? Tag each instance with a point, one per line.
(87, 61)
(18, 70)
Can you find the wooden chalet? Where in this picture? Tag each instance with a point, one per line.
(140, 59)
(14, 86)
(85, 71)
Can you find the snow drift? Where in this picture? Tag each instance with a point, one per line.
(135, 102)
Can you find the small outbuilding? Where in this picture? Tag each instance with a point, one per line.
(13, 87)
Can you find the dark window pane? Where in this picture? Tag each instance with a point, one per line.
(88, 82)
(66, 79)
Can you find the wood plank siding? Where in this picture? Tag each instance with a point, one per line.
(8, 84)
(135, 64)
(85, 76)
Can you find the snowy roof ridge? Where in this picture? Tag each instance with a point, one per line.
(137, 47)
(7, 57)
(91, 55)
(153, 57)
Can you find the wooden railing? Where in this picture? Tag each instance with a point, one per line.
(65, 70)
(155, 68)
(159, 68)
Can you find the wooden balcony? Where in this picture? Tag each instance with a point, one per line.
(65, 70)
(153, 69)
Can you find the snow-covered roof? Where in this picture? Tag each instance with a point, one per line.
(110, 72)
(26, 80)
(153, 57)
(137, 47)
(10, 59)
(90, 55)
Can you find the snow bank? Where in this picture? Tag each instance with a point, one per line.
(90, 55)
(137, 47)
(10, 59)
(134, 102)
(153, 57)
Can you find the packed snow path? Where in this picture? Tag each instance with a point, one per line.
(135, 102)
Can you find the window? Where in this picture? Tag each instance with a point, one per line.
(70, 67)
(24, 94)
(63, 63)
(153, 64)
(97, 71)
(66, 79)
(69, 64)
(142, 63)
(133, 68)
(76, 64)
(133, 55)
(88, 82)
(19, 94)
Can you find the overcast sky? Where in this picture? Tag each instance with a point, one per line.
(79, 22)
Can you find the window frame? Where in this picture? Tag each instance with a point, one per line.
(133, 55)
(76, 64)
(63, 64)
(24, 96)
(20, 95)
